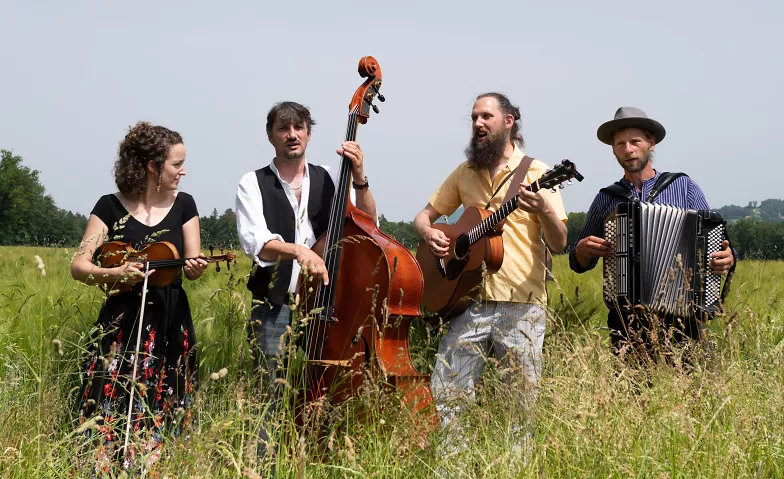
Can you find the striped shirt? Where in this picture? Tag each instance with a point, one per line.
(681, 193)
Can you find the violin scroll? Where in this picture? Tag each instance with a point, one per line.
(229, 257)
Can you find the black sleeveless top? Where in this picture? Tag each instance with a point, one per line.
(124, 227)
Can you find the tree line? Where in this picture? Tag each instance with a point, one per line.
(28, 216)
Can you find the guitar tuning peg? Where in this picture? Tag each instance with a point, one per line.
(561, 186)
(552, 190)
(375, 108)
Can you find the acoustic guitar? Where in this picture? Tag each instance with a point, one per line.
(452, 281)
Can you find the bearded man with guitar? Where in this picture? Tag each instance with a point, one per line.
(509, 312)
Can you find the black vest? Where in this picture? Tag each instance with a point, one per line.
(271, 284)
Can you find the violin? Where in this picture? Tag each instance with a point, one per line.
(161, 256)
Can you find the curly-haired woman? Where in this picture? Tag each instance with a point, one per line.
(147, 208)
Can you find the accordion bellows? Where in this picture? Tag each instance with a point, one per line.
(660, 259)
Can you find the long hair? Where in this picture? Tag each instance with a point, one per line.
(508, 109)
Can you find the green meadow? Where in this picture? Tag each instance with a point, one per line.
(595, 417)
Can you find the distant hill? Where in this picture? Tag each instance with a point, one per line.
(770, 210)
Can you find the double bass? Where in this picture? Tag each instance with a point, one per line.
(358, 325)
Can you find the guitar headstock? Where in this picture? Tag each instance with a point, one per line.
(362, 101)
(562, 173)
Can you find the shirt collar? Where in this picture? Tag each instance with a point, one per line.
(277, 173)
(645, 183)
(515, 159)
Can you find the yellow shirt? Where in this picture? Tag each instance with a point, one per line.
(521, 278)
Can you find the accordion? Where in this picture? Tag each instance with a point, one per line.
(660, 260)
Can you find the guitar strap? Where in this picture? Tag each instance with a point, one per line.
(519, 176)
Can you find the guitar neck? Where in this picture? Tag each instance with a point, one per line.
(489, 224)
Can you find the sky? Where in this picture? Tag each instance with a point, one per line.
(75, 75)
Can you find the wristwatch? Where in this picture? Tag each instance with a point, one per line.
(361, 187)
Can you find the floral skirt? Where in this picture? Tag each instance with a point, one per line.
(165, 381)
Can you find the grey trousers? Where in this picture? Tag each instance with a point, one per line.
(266, 333)
(514, 332)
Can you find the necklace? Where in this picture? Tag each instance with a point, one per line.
(297, 188)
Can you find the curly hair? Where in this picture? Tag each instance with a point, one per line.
(508, 109)
(143, 143)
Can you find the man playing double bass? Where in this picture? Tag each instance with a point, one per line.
(282, 209)
(510, 311)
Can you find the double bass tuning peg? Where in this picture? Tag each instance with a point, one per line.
(369, 101)
(380, 96)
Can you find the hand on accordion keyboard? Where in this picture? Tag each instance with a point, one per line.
(722, 261)
(590, 247)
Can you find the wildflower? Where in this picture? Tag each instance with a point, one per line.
(214, 376)
(41, 265)
(223, 372)
(350, 454)
(58, 346)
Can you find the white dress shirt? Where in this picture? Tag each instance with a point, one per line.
(252, 227)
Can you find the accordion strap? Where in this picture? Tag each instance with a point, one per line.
(619, 190)
(662, 182)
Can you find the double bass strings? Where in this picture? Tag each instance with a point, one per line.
(324, 296)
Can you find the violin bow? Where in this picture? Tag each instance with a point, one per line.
(136, 355)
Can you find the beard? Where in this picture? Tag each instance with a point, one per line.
(293, 155)
(483, 154)
(635, 166)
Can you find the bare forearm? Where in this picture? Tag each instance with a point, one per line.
(366, 202)
(90, 274)
(554, 231)
(276, 249)
(421, 224)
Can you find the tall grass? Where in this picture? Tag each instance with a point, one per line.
(594, 417)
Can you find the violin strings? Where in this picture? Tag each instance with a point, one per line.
(167, 263)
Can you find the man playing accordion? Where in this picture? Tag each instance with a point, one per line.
(633, 137)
